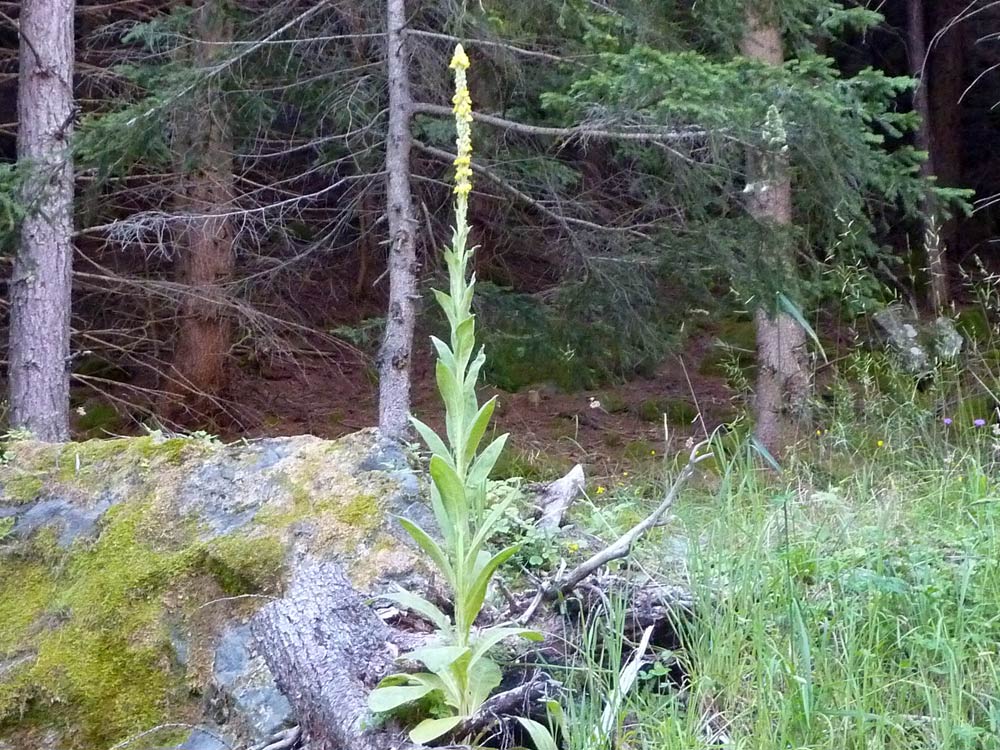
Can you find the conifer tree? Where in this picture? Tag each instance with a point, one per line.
(40, 286)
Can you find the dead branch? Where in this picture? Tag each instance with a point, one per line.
(557, 497)
(579, 132)
(623, 545)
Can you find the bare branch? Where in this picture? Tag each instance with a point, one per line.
(623, 545)
(488, 43)
(581, 132)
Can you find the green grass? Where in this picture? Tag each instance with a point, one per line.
(851, 602)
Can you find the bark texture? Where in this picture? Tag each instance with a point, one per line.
(395, 357)
(938, 292)
(327, 650)
(41, 283)
(783, 379)
(205, 251)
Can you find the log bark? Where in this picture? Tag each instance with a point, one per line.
(205, 249)
(395, 356)
(783, 380)
(41, 283)
(556, 498)
(327, 649)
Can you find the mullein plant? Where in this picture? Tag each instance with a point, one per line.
(460, 672)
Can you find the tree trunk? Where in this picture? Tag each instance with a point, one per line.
(783, 380)
(944, 94)
(327, 649)
(205, 257)
(938, 294)
(41, 284)
(395, 357)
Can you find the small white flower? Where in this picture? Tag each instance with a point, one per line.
(81, 411)
(594, 403)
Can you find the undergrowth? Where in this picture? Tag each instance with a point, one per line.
(850, 601)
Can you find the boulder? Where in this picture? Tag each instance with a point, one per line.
(130, 570)
(918, 345)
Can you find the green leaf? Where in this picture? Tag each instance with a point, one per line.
(477, 429)
(445, 523)
(764, 453)
(438, 658)
(477, 591)
(428, 545)
(484, 464)
(445, 354)
(793, 310)
(430, 729)
(383, 699)
(431, 438)
(540, 735)
(421, 606)
(486, 528)
(483, 678)
(803, 667)
(465, 340)
(492, 636)
(452, 491)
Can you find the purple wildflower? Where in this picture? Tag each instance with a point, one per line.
(979, 422)
(947, 421)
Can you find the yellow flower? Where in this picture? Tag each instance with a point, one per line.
(652, 453)
(601, 490)
(463, 125)
(573, 546)
(460, 60)
(880, 443)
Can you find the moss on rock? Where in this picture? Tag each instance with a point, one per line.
(114, 632)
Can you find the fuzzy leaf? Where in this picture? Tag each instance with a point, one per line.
(485, 462)
(383, 699)
(540, 735)
(430, 729)
(428, 545)
(477, 591)
(421, 606)
(431, 438)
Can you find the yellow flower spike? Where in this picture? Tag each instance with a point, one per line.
(460, 60)
(462, 102)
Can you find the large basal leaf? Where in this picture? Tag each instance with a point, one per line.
(421, 606)
(383, 699)
(483, 678)
(540, 735)
(430, 729)
(492, 636)
(438, 658)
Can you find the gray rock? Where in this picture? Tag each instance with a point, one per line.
(902, 336)
(203, 740)
(247, 686)
(916, 344)
(75, 520)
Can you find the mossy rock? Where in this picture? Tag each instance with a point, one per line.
(123, 563)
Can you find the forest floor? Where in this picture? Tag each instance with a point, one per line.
(608, 429)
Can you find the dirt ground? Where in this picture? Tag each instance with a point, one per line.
(605, 429)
